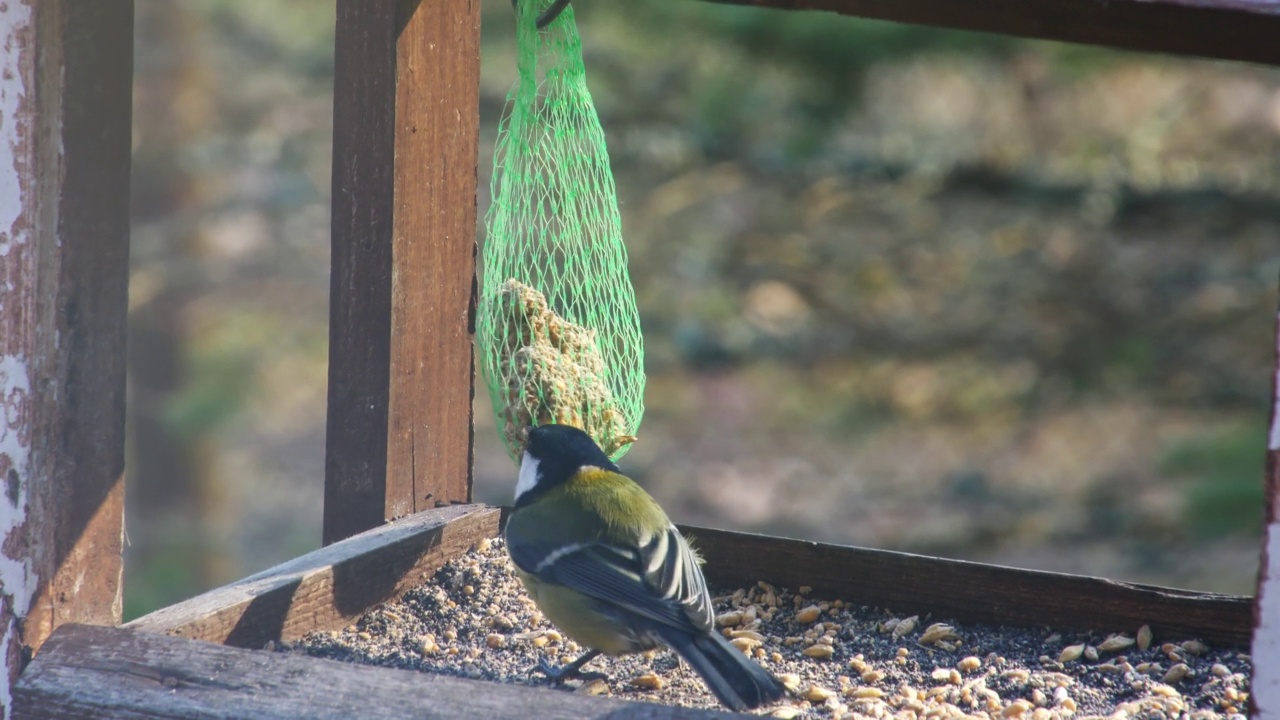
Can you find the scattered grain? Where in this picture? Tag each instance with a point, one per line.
(1194, 647)
(647, 681)
(1070, 653)
(808, 614)
(1144, 637)
(1115, 643)
(729, 619)
(938, 632)
(819, 651)
(863, 693)
(817, 694)
(905, 627)
(444, 630)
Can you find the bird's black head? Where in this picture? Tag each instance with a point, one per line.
(553, 454)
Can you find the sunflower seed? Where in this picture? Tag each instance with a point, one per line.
(1144, 637)
(1070, 653)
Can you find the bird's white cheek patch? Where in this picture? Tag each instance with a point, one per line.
(528, 478)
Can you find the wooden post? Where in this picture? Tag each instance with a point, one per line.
(1265, 699)
(65, 104)
(406, 136)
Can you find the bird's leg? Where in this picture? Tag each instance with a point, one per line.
(572, 670)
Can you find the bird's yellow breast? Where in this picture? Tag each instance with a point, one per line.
(575, 614)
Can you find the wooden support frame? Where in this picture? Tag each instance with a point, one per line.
(65, 111)
(1225, 29)
(402, 290)
(85, 672)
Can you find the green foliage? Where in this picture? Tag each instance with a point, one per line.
(217, 391)
(169, 574)
(224, 367)
(1224, 473)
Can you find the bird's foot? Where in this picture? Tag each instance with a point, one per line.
(572, 671)
(558, 675)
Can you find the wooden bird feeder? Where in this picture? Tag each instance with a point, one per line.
(398, 497)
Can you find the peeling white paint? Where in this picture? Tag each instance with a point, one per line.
(1274, 443)
(1266, 637)
(18, 579)
(14, 22)
(6, 694)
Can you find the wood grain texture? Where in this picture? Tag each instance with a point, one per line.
(65, 110)
(969, 591)
(437, 134)
(85, 390)
(1226, 29)
(93, 672)
(406, 134)
(330, 587)
(360, 273)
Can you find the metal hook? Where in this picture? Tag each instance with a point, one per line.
(550, 14)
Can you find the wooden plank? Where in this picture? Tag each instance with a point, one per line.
(1226, 29)
(65, 110)
(1265, 698)
(330, 587)
(406, 134)
(360, 273)
(969, 591)
(433, 283)
(93, 672)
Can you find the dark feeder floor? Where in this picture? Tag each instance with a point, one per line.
(474, 620)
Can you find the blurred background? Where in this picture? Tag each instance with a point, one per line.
(934, 291)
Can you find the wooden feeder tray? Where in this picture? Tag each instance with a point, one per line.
(152, 667)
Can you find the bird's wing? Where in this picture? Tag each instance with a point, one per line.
(659, 580)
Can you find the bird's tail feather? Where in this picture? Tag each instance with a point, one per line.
(740, 682)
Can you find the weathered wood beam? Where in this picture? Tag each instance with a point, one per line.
(406, 139)
(1226, 29)
(332, 586)
(65, 110)
(95, 672)
(329, 587)
(970, 591)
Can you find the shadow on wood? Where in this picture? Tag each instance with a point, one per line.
(330, 587)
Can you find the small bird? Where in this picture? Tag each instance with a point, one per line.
(605, 564)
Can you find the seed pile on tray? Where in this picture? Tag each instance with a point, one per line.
(474, 620)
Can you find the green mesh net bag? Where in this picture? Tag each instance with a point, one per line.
(557, 326)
